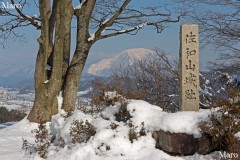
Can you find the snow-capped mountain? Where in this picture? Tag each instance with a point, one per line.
(106, 67)
(20, 74)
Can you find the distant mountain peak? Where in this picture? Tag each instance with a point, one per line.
(106, 67)
(137, 53)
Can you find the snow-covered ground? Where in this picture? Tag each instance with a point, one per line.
(4, 125)
(107, 143)
(11, 106)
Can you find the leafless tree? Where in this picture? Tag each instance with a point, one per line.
(219, 22)
(154, 79)
(95, 20)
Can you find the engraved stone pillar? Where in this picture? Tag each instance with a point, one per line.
(189, 66)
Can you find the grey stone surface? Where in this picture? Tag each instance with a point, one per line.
(183, 144)
(189, 66)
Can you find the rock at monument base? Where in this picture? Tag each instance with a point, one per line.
(206, 145)
(183, 144)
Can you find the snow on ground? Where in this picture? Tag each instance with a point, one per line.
(4, 125)
(154, 119)
(11, 140)
(237, 135)
(80, 93)
(107, 143)
(12, 106)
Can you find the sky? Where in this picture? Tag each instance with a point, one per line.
(24, 51)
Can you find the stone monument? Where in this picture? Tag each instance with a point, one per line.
(189, 68)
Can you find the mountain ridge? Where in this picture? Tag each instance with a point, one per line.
(106, 67)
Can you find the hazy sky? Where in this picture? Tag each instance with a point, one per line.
(25, 51)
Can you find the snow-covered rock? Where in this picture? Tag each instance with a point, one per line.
(108, 143)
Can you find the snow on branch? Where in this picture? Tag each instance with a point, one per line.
(111, 20)
(92, 37)
(157, 24)
(32, 19)
(80, 5)
(119, 19)
(18, 19)
(141, 15)
(136, 28)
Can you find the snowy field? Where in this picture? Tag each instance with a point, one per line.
(11, 106)
(7, 124)
(107, 143)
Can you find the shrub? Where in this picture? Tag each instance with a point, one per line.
(123, 114)
(101, 90)
(43, 140)
(102, 148)
(28, 147)
(81, 131)
(61, 142)
(143, 130)
(225, 122)
(133, 133)
(113, 126)
(111, 100)
(10, 116)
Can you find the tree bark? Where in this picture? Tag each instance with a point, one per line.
(47, 88)
(72, 79)
(83, 46)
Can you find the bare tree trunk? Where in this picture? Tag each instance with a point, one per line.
(43, 107)
(41, 110)
(67, 39)
(72, 79)
(47, 88)
(70, 86)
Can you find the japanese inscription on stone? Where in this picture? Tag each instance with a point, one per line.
(189, 66)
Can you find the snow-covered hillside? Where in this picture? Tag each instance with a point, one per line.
(109, 143)
(107, 66)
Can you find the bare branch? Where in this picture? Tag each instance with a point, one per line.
(28, 18)
(134, 30)
(220, 24)
(14, 19)
(110, 21)
(114, 19)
